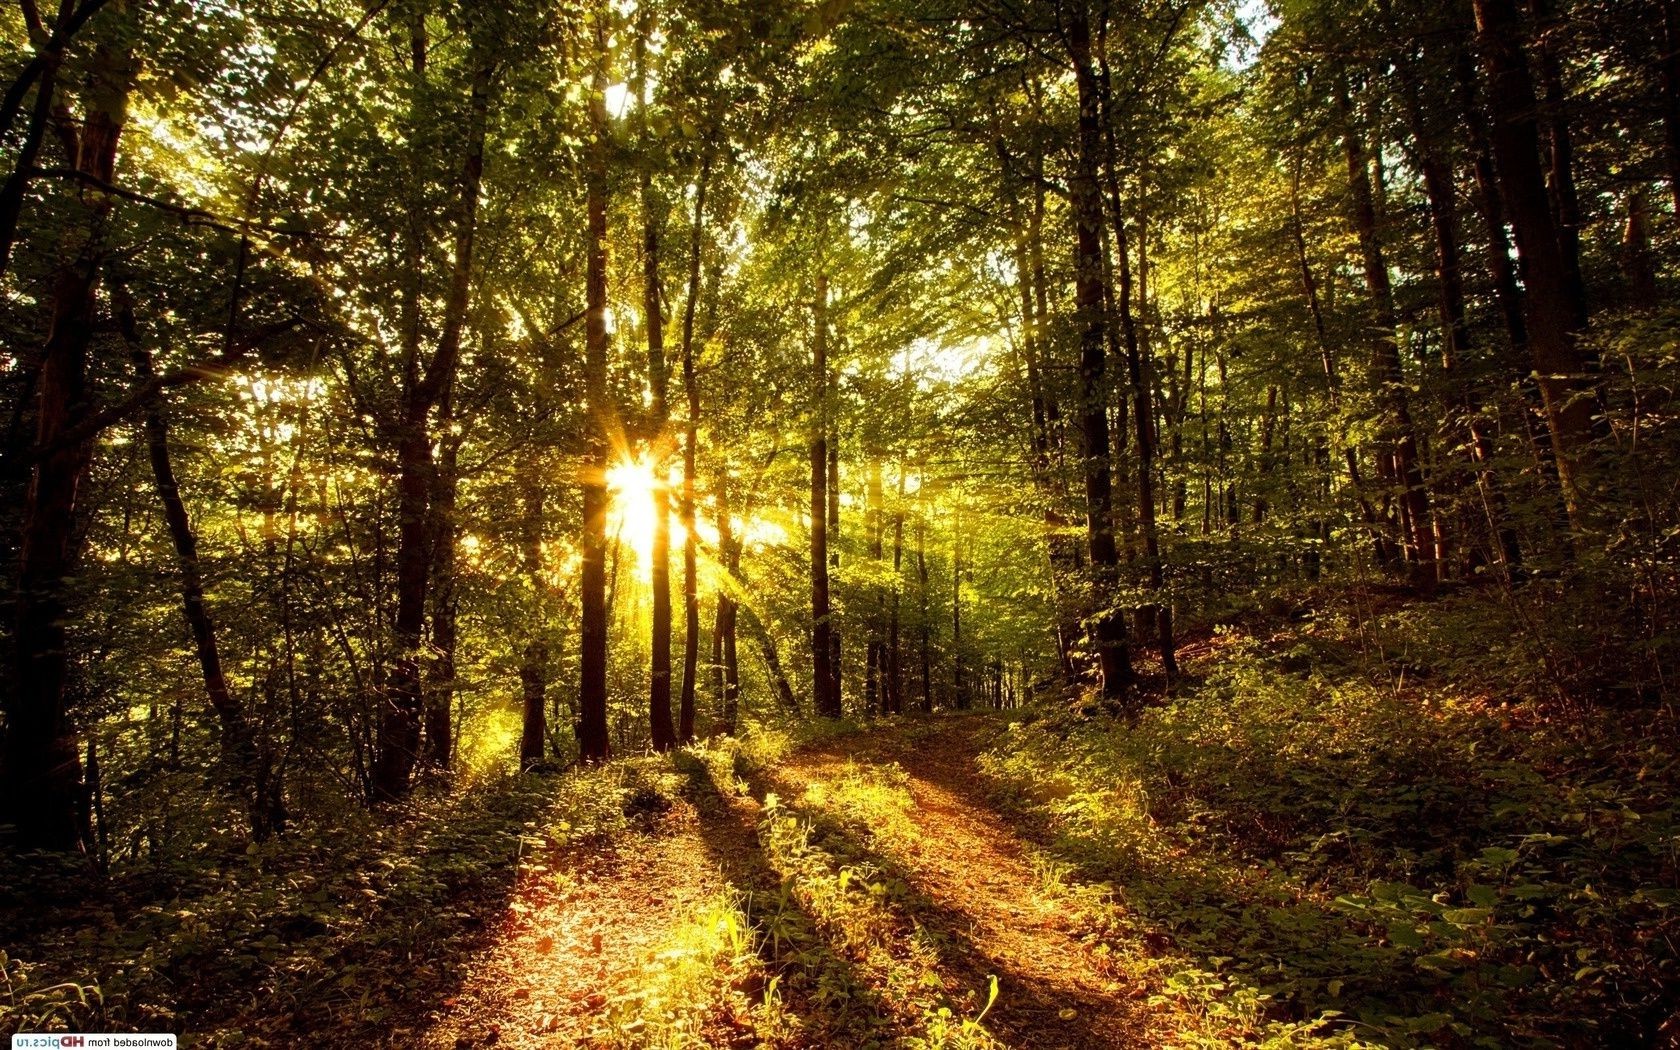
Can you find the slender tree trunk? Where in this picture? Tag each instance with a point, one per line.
(43, 794)
(1138, 370)
(265, 809)
(1397, 457)
(959, 689)
(1109, 629)
(1332, 374)
(1455, 327)
(895, 667)
(772, 661)
(1639, 276)
(439, 736)
(1671, 94)
(727, 612)
(653, 310)
(593, 743)
(533, 668)
(834, 646)
(923, 624)
(1561, 366)
(1560, 154)
(874, 686)
(399, 723)
(825, 686)
(691, 437)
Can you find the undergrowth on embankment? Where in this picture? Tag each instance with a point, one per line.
(1342, 831)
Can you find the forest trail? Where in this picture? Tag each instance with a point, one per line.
(572, 962)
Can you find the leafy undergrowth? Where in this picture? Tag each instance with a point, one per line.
(1321, 843)
(340, 931)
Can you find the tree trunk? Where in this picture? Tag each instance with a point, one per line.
(959, 690)
(533, 668)
(875, 687)
(1671, 94)
(264, 808)
(825, 686)
(923, 624)
(1397, 456)
(399, 723)
(1455, 327)
(43, 794)
(833, 487)
(1332, 374)
(772, 661)
(438, 740)
(1109, 629)
(593, 744)
(1561, 366)
(691, 435)
(895, 668)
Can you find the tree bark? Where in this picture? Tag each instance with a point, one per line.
(1550, 314)
(1397, 456)
(593, 744)
(653, 310)
(438, 738)
(399, 723)
(1454, 322)
(533, 668)
(691, 437)
(1109, 629)
(825, 686)
(43, 794)
(264, 807)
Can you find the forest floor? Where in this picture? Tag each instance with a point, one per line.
(1355, 820)
(949, 894)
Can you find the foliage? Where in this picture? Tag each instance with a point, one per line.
(1299, 840)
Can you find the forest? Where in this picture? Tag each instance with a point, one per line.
(841, 523)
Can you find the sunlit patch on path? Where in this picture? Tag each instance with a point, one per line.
(735, 918)
(987, 900)
(588, 935)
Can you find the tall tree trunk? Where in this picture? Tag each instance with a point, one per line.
(42, 71)
(399, 722)
(1397, 456)
(691, 437)
(533, 668)
(593, 744)
(438, 739)
(1562, 367)
(1090, 296)
(43, 794)
(264, 808)
(772, 661)
(653, 309)
(1455, 327)
(1332, 374)
(895, 666)
(825, 685)
(959, 689)
(834, 646)
(1639, 277)
(1671, 94)
(1560, 153)
(874, 686)
(924, 626)
(722, 648)
(1139, 374)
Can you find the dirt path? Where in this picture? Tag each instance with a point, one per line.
(583, 927)
(986, 898)
(588, 921)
